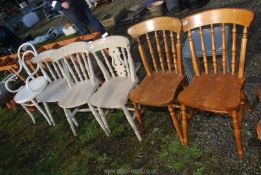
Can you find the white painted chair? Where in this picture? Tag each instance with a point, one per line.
(76, 66)
(56, 82)
(114, 59)
(25, 95)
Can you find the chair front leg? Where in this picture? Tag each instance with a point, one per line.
(184, 124)
(237, 133)
(131, 122)
(41, 111)
(139, 118)
(175, 122)
(69, 119)
(49, 113)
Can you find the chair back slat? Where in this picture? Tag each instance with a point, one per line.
(193, 54)
(56, 70)
(152, 54)
(213, 43)
(79, 60)
(71, 71)
(160, 37)
(242, 58)
(220, 24)
(108, 63)
(86, 65)
(143, 56)
(50, 70)
(159, 51)
(173, 49)
(224, 49)
(73, 58)
(203, 46)
(234, 49)
(167, 50)
(65, 73)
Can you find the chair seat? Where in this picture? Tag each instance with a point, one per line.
(113, 93)
(213, 92)
(159, 89)
(78, 95)
(24, 95)
(54, 91)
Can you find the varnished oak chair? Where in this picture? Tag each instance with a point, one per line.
(162, 62)
(218, 90)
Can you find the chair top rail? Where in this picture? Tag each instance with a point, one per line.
(238, 16)
(154, 24)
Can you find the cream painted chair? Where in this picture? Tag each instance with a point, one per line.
(114, 59)
(76, 66)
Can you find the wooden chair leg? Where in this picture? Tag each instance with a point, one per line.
(175, 123)
(237, 133)
(240, 114)
(138, 114)
(184, 124)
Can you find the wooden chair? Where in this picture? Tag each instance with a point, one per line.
(218, 90)
(114, 59)
(76, 66)
(163, 65)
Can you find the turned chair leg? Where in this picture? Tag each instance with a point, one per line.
(184, 124)
(175, 123)
(237, 133)
(138, 115)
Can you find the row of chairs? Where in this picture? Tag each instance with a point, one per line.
(74, 72)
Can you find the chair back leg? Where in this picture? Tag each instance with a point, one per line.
(29, 112)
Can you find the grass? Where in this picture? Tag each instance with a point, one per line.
(39, 149)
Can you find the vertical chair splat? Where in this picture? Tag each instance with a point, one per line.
(174, 52)
(224, 49)
(159, 51)
(143, 57)
(193, 54)
(203, 46)
(234, 49)
(152, 54)
(213, 43)
(167, 50)
(242, 54)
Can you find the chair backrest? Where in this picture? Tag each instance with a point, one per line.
(149, 34)
(113, 57)
(50, 69)
(75, 63)
(237, 19)
(25, 56)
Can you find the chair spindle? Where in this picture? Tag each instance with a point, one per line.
(174, 52)
(242, 54)
(143, 56)
(159, 52)
(234, 49)
(152, 54)
(224, 49)
(167, 50)
(193, 54)
(213, 43)
(203, 47)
